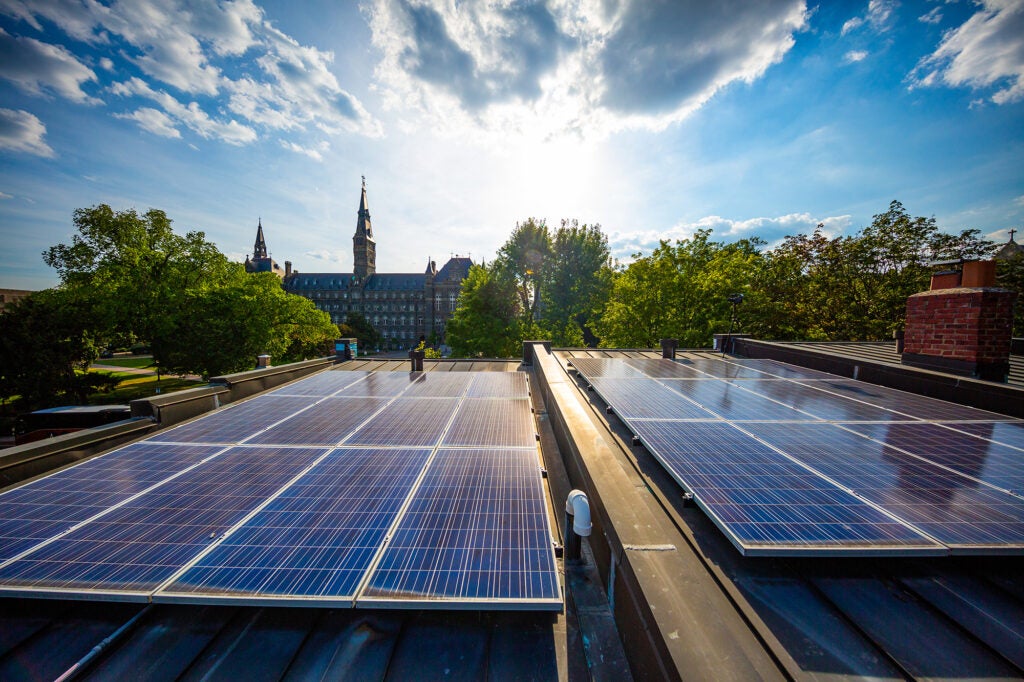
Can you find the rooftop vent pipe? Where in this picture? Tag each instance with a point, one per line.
(577, 522)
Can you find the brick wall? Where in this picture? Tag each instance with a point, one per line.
(969, 324)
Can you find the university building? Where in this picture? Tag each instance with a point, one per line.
(402, 307)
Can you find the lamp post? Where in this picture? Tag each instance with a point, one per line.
(735, 299)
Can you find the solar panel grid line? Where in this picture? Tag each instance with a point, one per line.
(310, 385)
(405, 504)
(110, 509)
(212, 546)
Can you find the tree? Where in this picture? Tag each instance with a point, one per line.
(1010, 275)
(487, 321)
(523, 258)
(357, 326)
(575, 284)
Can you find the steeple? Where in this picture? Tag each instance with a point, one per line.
(363, 247)
(259, 250)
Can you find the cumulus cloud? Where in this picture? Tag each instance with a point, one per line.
(219, 55)
(986, 51)
(21, 131)
(153, 120)
(39, 67)
(4, 196)
(854, 56)
(934, 16)
(878, 17)
(581, 65)
(315, 153)
(624, 244)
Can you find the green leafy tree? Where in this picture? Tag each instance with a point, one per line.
(575, 284)
(357, 326)
(524, 258)
(487, 321)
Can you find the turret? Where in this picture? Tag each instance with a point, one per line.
(363, 246)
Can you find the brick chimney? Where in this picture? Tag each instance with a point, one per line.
(963, 325)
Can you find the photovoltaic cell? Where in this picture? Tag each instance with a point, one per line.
(439, 385)
(1008, 434)
(492, 423)
(606, 367)
(476, 530)
(321, 385)
(236, 422)
(730, 401)
(764, 500)
(326, 423)
(316, 539)
(665, 369)
(50, 506)
(499, 385)
(722, 369)
(407, 422)
(646, 398)
(137, 546)
(918, 406)
(994, 463)
(381, 385)
(821, 404)
(953, 509)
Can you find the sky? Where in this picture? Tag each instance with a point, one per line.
(651, 118)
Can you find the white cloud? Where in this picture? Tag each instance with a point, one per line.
(5, 195)
(38, 68)
(879, 17)
(153, 120)
(315, 153)
(579, 65)
(224, 50)
(854, 56)
(987, 51)
(771, 230)
(21, 131)
(1019, 200)
(191, 114)
(933, 16)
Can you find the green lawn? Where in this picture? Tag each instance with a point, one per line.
(122, 375)
(138, 363)
(141, 387)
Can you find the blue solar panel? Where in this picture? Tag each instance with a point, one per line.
(440, 385)
(665, 369)
(955, 510)
(407, 422)
(50, 506)
(492, 423)
(765, 501)
(499, 385)
(136, 546)
(606, 367)
(381, 385)
(322, 385)
(778, 463)
(475, 531)
(317, 539)
(647, 399)
(326, 423)
(237, 422)
(947, 445)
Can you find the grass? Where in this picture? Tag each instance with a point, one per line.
(122, 375)
(137, 363)
(142, 387)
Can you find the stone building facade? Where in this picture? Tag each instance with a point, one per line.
(402, 307)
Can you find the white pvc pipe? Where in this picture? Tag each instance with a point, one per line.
(578, 506)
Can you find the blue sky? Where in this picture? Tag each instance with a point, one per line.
(650, 118)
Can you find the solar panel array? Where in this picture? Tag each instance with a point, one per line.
(787, 460)
(346, 488)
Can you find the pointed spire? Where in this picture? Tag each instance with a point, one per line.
(259, 250)
(363, 226)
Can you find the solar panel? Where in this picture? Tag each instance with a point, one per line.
(787, 461)
(646, 398)
(326, 423)
(763, 500)
(49, 506)
(953, 509)
(476, 531)
(237, 422)
(138, 545)
(947, 445)
(492, 423)
(499, 385)
(606, 367)
(267, 509)
(665, 369)
(316, 539)
(322, 384)
(407, 422)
